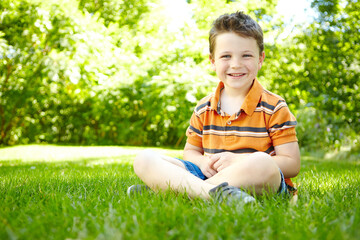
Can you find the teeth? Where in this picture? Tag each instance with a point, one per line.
(237, 75)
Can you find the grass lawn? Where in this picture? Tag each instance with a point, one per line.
(56, 192)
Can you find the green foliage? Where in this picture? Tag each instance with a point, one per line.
(53, 65)
(119, 72)
(104, 72)
(336, 63)
(321, 66)
(116, 11)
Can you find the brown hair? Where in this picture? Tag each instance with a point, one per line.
(238, 23)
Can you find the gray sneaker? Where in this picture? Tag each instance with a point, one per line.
(230, 194)
(137, 190)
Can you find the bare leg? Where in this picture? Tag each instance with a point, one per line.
(258, 172)
(161, 172)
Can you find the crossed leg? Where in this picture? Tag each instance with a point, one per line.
(160, 172)
(257, 173)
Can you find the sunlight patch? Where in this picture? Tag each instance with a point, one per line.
(92, 155)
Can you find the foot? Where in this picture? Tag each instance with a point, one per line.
(137, 190)
(230, 194)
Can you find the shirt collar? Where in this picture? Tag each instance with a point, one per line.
(215, 100)
(251, 100)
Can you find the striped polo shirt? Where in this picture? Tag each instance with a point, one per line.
(264, 121)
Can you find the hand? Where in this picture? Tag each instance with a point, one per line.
(219, 161)
(205, 167)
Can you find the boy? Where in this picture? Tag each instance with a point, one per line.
(241, 138)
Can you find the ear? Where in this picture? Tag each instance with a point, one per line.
(212, 61)
(261, 60)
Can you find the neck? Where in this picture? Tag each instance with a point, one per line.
(232, 99)
(237, 93)
(234, 94)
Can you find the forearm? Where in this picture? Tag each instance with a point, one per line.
(193, 156)
(288, 159)
(289, 166)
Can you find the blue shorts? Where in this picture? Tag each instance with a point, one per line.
(196, 171)
(283, 189)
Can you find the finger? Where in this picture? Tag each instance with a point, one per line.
(212, 172)
(217, 164)
(215, 156)
(223, 165)
(220, 168)
(208, 174)
(213, 159)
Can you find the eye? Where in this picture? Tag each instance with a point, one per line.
(225, 56)
(247, 55)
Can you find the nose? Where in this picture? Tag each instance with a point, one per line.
(235, 63)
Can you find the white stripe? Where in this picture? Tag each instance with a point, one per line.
(264, 109)
(282, 104)
(200, 111)
(282, 128)
(225, 133)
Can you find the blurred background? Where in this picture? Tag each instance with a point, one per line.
(113, 72)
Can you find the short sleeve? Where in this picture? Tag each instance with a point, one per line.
(282, 125)
(195, 130)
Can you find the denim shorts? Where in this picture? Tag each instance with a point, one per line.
(196, 171)
(193, 169)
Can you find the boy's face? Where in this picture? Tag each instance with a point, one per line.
(236, 60)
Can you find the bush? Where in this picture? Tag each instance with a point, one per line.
(112, 72)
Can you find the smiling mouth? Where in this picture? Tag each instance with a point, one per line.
(236, 74)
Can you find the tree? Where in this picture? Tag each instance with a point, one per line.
(53, 57)
(318, 73)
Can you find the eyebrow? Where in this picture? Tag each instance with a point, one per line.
(227, 52)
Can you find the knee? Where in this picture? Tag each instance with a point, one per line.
(264, 167)
(142, 161)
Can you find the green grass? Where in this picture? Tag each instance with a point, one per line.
(54, 192)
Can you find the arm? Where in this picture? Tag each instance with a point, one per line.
(195, 155)
(288, 159)
(281, 128)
